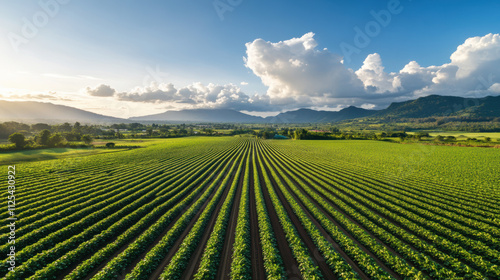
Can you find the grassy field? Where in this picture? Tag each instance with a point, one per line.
(12, 157)
(129, 142)
(243, 208)
(49, 154)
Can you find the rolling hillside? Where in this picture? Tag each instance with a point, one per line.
(31, 112)
(439, 106)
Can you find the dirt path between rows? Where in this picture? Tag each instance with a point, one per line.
(289, 263)
(332, 219)
(304, 236)
(337, 247)
(287, 169)
(397, 224)
(227, 253)
(258, 270)
(377, 213)
(125, 246)
(196, 255)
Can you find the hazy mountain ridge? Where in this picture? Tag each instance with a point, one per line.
(312, 116)
(32, 111)
(201, 115)
(423, 107)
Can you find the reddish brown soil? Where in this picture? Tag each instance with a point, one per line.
(258, 271)
(394, 223)
(311, 247)
(377, 260)
(289, 263)
(195, 258)
(227, 252)
(134, 263)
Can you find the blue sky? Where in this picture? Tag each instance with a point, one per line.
(85, 44)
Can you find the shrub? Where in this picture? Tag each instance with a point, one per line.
(110, 145)
(18, 139)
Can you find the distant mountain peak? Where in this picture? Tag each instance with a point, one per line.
(33, 111)
(201, 115)
(422, 107)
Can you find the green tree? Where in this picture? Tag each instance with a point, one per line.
(87, 139)
(55, 140)
(334, 130)
(18, 139)
(77, 127)
(40, 126)
(65, 127)
(423, 134)
(300, 134)
(43, 137)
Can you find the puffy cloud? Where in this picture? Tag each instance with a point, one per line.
(101, 91)
(414, 77)
(368, 106)
(154, 93)
(374, 78)
(477, 55)
(495, 88)
(296, 69)
(299, 75)
(197, 95)
(473, 70)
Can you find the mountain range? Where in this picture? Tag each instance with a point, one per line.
(201, 115)
(440, 106)
(429, 106)
(41, 112)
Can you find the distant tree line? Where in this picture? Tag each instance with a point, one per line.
(68, 131)
(41, 135)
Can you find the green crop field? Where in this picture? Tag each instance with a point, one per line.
(245, 208)
(461, 135)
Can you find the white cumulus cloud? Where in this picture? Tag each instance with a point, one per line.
(374, 78)
(472, 71)
(298, 75)
(477, 55)
(197, 95)
(296, 69)
(101, 91)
